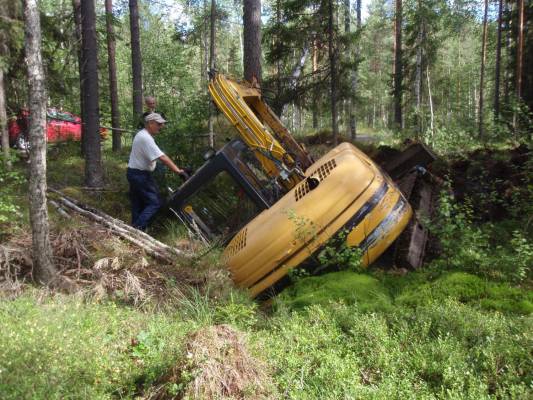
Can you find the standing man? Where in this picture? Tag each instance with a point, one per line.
(144, 194)
(150, 106)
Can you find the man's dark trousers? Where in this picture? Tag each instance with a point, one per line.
(144, 196)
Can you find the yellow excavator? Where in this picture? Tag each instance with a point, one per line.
(272, 206)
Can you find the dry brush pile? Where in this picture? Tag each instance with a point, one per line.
(216, 365)
(92, 259)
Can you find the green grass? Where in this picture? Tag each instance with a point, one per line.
(460, 329)
(63, 347)
(446, 350)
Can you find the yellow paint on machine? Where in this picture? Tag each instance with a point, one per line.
(352, 194)
(303, 220)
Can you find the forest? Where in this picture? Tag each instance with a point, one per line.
(93, 308)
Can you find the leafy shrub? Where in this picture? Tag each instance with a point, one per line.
(336, 254)
(10, 182)
(469, 247)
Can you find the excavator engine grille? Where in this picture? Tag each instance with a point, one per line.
(323, 171)
(237, 244)
(302, 190)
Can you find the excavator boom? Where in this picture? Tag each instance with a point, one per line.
(280, 156)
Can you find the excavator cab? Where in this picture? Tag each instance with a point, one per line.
(226, 193)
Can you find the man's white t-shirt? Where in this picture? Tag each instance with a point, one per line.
(144, 152)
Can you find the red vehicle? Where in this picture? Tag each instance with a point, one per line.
(60, 126)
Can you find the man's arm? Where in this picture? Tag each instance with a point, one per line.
(169, 163)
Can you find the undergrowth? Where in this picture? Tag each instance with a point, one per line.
(460, 328)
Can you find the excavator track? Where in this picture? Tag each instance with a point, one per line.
(408, 169)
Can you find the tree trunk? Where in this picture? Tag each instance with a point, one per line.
(112, 67)
(353, 76)
(482, 74)
(507, 71)
(353, 117)
(278, 62)
(94, 176)
(136, 61)
(418, 87)
(519, 60)
(3, 123)
(76, 8)
(333, 73)
(314, 67)
(212, 52)
(252, 40)
(520, 50)
(398, 68)
(432, 116)
(498, 62)
(204, 64)
(43, 267)
(293, 79)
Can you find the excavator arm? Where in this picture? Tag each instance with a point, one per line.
(280, 156)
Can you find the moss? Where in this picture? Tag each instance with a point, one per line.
(351, 288)
(467, 288)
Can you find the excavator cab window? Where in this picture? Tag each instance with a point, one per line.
(221, 207)
(249, 166)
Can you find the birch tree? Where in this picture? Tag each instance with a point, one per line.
(43, 267)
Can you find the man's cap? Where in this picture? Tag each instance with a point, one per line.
(154, 117)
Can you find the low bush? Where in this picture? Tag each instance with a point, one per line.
(443, 350)
(64, 347)
(503, 252)
(467, 288)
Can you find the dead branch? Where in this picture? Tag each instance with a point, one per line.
(152, 246)
(59, 209)
(140, 235)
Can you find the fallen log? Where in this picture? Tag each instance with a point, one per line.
(141, 239)
(133, 231)
(59, 209)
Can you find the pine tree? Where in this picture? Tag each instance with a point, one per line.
(94, 174)
(112, 69)
(136, 60)
(252, 40)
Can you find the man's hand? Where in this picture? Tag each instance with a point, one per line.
(174, 168)
(183, 174)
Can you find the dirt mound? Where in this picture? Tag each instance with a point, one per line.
(216, 365)
(496, 182)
